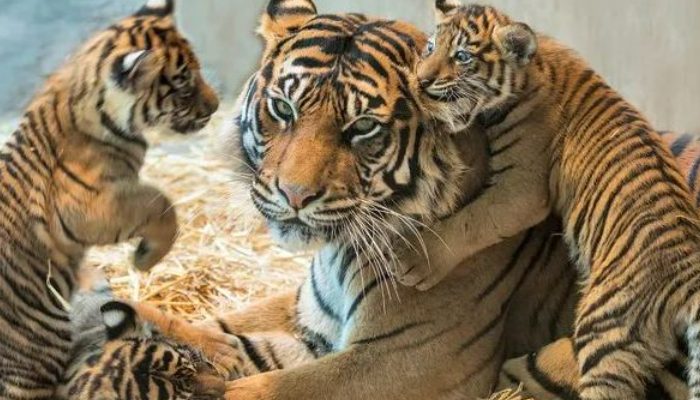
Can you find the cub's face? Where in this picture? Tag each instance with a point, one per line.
(126, 359)
(475, 61)
(330, 125)
(152, 77)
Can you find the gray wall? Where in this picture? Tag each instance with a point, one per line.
(647, 49)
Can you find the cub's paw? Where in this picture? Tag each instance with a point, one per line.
(421, 271)
(224, 351)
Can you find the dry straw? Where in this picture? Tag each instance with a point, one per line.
(223, 257)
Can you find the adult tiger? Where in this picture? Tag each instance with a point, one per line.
(69, 177)
(629, 217)
(331, 127)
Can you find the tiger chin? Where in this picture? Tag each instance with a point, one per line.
(70, 180)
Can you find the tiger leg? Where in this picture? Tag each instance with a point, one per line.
(125, 210)
(218, 347)
(552, 373)
(549, 374)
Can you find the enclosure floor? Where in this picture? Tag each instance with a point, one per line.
(223, 258)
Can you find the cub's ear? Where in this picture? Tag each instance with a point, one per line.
(283, 17)
(160, 8)
(517, 42)
(135, 69)
(119, 318)
(445, 9)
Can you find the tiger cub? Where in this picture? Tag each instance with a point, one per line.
(128, 351)
(563, 141)
(70, 179)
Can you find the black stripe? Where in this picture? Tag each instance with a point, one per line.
(108, 123)
(253, 354)
(515, 257)
(566, 393)
(360, 297)
(390, 334)
(67, 231)
(75, 178)
(319, 299)
(680, 144)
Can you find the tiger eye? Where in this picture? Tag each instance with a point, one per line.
(365, 125)
(283, 109)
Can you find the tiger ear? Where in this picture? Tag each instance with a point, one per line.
(160, 8)
(135, 69)
(283, 17)
(444, 9)
(119, 319)
(517, 42)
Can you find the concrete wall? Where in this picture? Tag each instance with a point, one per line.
(647, 49)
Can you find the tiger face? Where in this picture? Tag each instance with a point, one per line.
(149, 75)
(476, 61)
(331, 127)
(126, 359)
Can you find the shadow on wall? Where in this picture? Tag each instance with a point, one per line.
(648, 51)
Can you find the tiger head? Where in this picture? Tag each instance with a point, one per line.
(476, 61)
(331, 127)
(140, 73)
(119, 357)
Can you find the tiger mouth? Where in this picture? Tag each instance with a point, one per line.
(192, 126)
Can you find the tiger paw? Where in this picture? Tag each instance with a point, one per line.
(221, 349)
(158, 234)
(422, 271)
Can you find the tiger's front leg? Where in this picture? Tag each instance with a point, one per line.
(119, 212)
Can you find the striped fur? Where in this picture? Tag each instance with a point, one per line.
(348, 332)
(119, 354)
(572, 144)
(69, 177)
(551, 372)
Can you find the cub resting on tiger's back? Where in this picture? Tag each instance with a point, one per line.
(70, 180)
(563, 137)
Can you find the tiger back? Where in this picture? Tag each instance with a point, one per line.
(629, 218)
(69, 177)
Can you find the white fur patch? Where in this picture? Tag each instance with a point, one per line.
(113, 318)
(156, 3)
(131, 59)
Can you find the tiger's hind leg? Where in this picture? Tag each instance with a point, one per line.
(552, 374)
(624, 334)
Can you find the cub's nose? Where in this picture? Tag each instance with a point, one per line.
(298, 196)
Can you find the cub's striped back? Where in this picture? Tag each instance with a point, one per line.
(69, 178)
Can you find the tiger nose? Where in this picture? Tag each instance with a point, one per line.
(298, 196)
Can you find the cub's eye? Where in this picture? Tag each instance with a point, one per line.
(363, 128)
(186, 92)
(463, 57)
(281, 110)
(430, 47)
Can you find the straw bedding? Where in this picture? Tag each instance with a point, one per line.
(223, 257)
